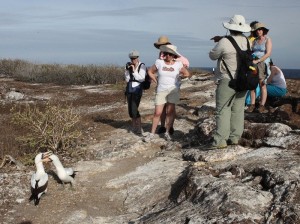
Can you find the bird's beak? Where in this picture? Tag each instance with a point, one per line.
(46, 157)
(46, 160)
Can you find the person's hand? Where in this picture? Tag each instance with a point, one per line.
(256, 61)
(216, 38)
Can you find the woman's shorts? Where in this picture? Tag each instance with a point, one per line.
(167, 96)
(262, 74)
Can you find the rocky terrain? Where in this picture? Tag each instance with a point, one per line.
(122, 179)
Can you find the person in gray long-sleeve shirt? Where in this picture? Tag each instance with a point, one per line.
(229, 104)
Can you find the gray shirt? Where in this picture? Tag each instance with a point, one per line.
(224, 49)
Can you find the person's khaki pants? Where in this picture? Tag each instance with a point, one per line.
(229, 114)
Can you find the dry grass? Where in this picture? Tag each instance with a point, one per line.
(61, 74)
(50, 128)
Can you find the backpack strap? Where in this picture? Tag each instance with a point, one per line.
(140, 66)
(238, 50)
(227, 69)
(132, 79)
(236, 46)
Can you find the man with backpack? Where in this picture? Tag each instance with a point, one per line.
(229, 100)
(135, 73)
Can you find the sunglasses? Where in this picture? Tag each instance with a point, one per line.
(133, 58)
(169, 54)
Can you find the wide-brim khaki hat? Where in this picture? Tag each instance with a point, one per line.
(169, 48)
(260, 25)
(162, 40)
(237, 23)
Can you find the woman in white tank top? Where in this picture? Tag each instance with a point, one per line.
(165, 73)
(276, 84)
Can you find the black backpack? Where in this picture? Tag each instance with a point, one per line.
(145, 84)
(247, 74)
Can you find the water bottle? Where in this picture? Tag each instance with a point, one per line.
(253, 69)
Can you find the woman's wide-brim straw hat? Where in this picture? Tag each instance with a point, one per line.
(169, 48)
(260, 25)
(237, 23)
(162, 40)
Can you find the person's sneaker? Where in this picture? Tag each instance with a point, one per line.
(149, 137)
(167, 136)
(171, 131)
(139, 131)
(250, 108)
(262, 109)
(161, 130)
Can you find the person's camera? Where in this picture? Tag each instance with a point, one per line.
(128, 66)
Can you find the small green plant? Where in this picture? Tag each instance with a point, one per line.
(52, 127)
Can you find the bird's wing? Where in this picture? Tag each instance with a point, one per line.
(32, 181)
(69, 171)
(38, 187)
(43, 180)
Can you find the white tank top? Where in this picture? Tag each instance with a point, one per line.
(278, 79)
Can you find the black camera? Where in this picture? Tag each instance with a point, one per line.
(128, 66)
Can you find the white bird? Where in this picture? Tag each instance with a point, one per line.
(39, 180)
(66, 175)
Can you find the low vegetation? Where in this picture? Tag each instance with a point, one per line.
(61, 74)
(51, 128)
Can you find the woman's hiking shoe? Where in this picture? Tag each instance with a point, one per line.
(262, 109)
(167, 136)
(250, 108)
(161, 130)
(149, 137)
(171, 131)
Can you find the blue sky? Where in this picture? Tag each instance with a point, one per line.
(105, 31)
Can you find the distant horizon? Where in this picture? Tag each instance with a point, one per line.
(289, 73)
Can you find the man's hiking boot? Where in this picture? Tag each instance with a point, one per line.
(232, 142)
(211, 147)
(250, 108)
(262, 109)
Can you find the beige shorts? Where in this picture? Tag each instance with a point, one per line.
(261, 70)
(167, 96)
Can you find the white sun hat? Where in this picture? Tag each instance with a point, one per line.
(169, 48)
(237, 23)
